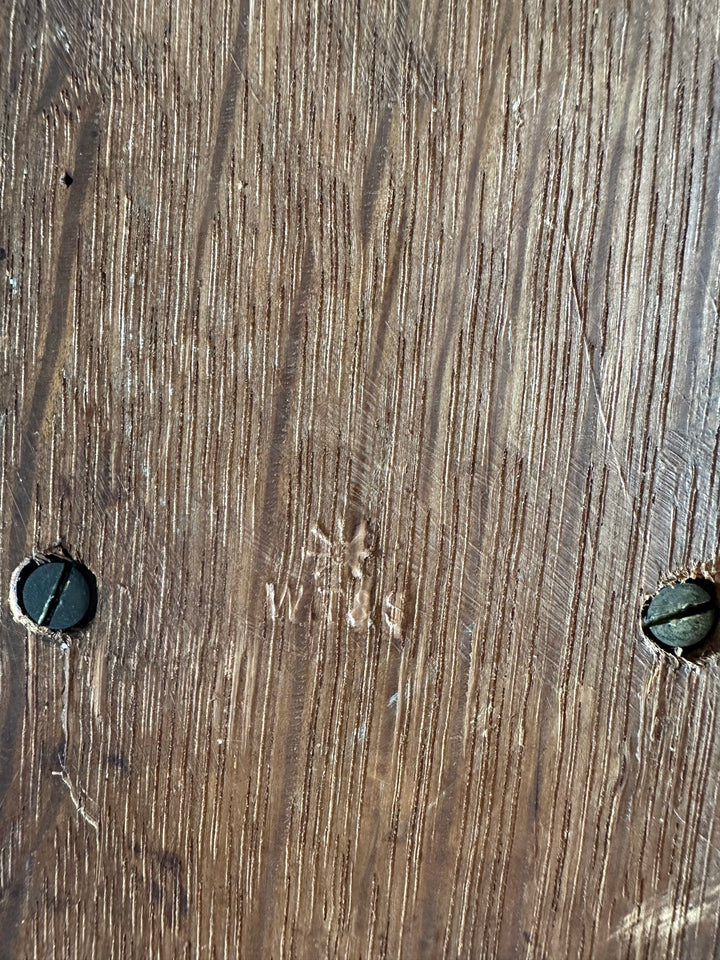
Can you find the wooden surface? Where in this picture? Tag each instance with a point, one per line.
(370, 362)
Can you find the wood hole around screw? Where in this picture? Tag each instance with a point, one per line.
(22, 572)
(708, 646)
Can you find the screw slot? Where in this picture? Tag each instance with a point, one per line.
(681, 615)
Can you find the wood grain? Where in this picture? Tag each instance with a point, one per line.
(370, 361)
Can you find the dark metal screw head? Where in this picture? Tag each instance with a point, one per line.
(59, 594)
(682, 614)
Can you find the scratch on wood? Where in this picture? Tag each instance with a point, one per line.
(78, 803)
(665, 916)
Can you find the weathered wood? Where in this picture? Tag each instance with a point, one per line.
(370, 362)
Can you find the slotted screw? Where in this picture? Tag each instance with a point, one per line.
(60, 594)
(682, 614)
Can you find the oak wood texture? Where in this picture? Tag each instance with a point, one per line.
(370, 362)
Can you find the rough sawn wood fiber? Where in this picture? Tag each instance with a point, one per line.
(370, 363)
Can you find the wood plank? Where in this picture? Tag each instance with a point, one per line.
(370, 362)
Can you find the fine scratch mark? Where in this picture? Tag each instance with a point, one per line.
(62, 772)
(65, 702)
(77, 802)
(593, 376)
(664, 916)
